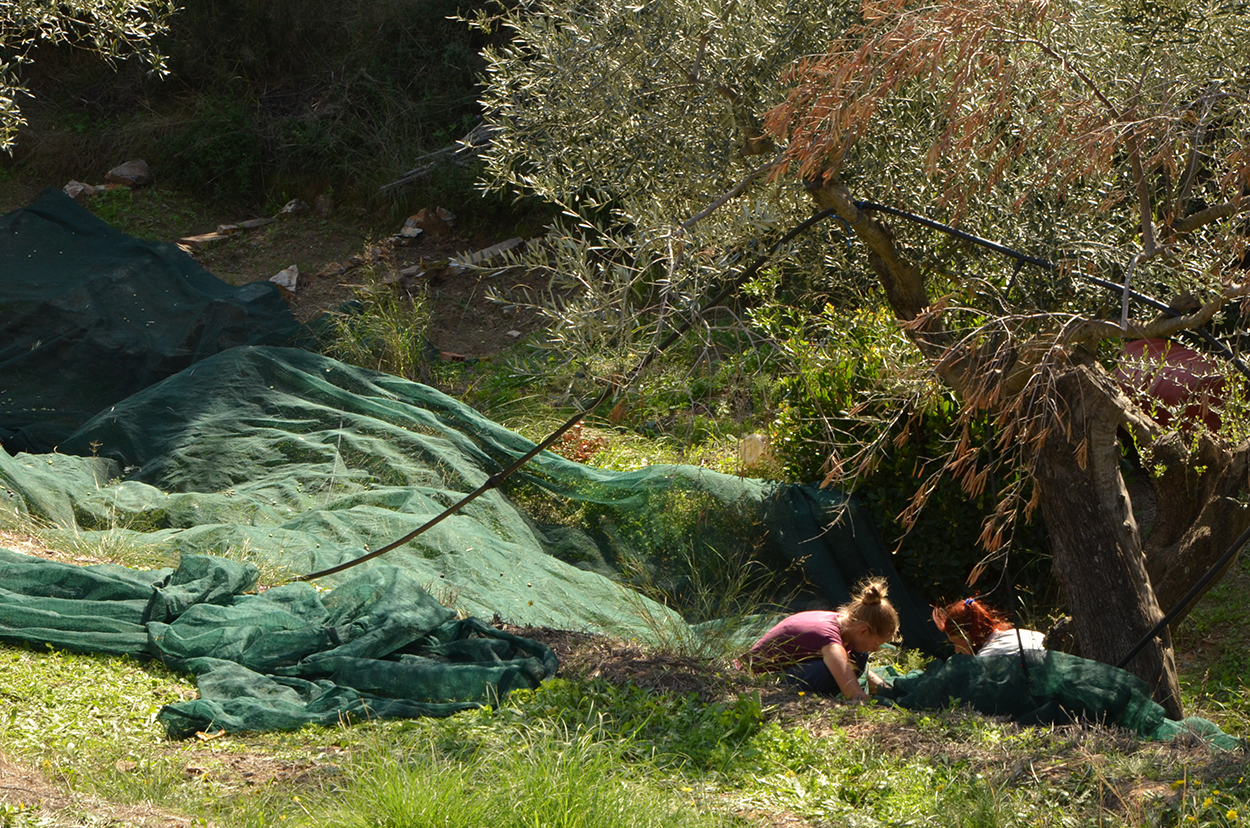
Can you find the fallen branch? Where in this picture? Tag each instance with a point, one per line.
(469, 146)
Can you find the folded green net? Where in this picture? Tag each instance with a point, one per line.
(377, 646)
(1048, 688)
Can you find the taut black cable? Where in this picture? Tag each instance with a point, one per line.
(495, 480)
(1218, 347)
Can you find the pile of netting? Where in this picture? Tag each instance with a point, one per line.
(1046, 688)
(377, 646)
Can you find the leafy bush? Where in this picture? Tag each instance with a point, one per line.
(214, 149)
(838, 419)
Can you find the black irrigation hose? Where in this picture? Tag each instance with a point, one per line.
(495, 480)
(1189, 597)
(873, 207)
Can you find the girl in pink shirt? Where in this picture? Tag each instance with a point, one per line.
(827, 651)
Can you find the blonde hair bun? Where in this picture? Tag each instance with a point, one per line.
(873, 592)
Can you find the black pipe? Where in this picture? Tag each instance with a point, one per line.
(1219, 348)
(1189, 597)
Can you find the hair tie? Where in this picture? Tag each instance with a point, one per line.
(968, 601)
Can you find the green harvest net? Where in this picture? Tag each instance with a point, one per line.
(287, 457)
(222, 459)
(1048, 688)
(377, 646)
(89, 315)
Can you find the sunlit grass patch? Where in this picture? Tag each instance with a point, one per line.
(535, 776)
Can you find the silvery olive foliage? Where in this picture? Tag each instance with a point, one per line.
(1052, 128)
(113, 29)
(1108, 137)
(635, 118)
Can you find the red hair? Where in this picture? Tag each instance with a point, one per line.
(972, 619)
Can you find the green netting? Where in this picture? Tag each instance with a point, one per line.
(376, 646)
(207, 455)
(89, 315)
(1048, 688)
(300, 461)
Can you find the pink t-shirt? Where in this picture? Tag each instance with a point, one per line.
(797, 638)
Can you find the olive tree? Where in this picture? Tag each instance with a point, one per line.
(112, 29)
(642, 121)
(1108, 141)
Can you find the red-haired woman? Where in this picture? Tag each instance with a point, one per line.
(976, 629)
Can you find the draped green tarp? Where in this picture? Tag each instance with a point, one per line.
(296, 460)
(90, 315)
(376, 646)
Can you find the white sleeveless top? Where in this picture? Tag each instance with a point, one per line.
(1004, 642)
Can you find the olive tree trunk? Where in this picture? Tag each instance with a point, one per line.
(1099, 561)
(1098, 558)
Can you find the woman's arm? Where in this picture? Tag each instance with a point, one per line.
(834, 656)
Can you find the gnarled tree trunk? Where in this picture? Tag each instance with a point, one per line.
(1098, 557)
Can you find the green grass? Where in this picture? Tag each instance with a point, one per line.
(584, 752)
(159, 215)
(382, 330)
(593, 753)
(1216, 642)
(533, 776)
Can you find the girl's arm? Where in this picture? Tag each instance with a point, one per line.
(834, 656)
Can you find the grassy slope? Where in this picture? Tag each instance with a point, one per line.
(87, 725)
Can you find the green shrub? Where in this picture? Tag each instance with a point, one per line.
(830, 405)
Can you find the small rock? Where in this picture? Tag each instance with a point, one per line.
(514, 334)
(294, 207)
(286, 278)
(435, 221)
(79, 191)
(135, 173)
(412, 228)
